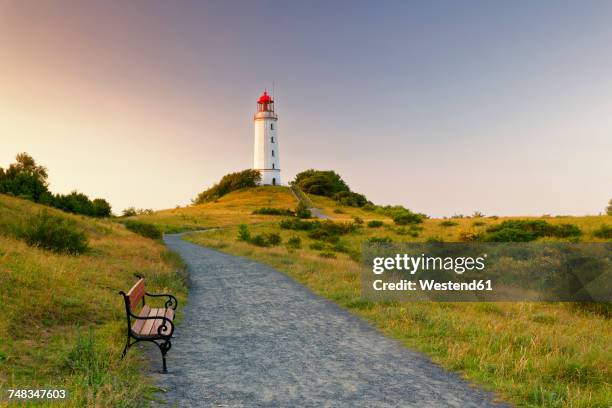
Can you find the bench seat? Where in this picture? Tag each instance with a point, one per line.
(149, 327)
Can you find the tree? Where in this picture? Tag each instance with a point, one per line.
(326, 183)
(609, 207)
(101, 208)
(24, 178)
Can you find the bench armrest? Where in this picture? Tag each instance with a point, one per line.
(162, 330)
(170, 303)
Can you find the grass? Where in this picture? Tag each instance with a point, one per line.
(62, 324)
(532, 354)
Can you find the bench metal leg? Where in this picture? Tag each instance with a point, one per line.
(125, 349)
(164, 347)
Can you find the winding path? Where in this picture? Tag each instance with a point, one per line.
(253, 337)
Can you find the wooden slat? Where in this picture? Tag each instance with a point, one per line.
(146, 328)
(169, 314)
(136, 293)
(137, 327)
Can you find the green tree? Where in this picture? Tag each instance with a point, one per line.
(326, 183)
(24, 178)
(609, 207)
(228, 183)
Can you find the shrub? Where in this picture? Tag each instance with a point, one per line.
(529, 230)
(609, 207)
(317, 246)
(294, 242)
(259, 240)
(243, 233)
(448, 223)
(54, 233)
(434, 239)
(338, 210)
(358, 220)
(605, 232)
(273, 211)
(469, 236)
(409, 218)
(302, 210)
(479, 223)
(350, 199)
(567, 230)
(380, 240)
(325, 183)
(145, 229)
(330, 231)
(298, 225)
(375, 224)
(274, 238)
(327, 254)
(228, 183)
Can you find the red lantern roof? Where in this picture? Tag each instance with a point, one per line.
(265, 98)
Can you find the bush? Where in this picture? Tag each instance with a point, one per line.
(259, 240)
(274, 239)
(380, 240)
(294, 242)
(567, 230)
(54, 233)
(243, 233)
(609, 207)
(145, 229)
(448, 223)
(273, 211)
(409, 218)
(479, 223)
(228, 183)
(529, 230)
(325, 183)
(375, 224)
(350, 199)
(338, 210)
(302, 211)
(358, 220)
(605, 232)
(434, 239)
(327, 254)
(330, 231)
(298, 225)
(317, 246)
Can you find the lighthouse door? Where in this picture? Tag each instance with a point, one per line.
(273, 181)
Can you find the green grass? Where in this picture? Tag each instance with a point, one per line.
(532, 354)
(62, 324)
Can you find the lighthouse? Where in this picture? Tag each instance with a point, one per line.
(266, 152)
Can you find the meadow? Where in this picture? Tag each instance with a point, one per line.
(531, 354)
(62, 324)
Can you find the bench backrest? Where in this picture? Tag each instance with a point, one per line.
(136, 294)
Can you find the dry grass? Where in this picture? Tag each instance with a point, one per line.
(51, 302)
(532, 354)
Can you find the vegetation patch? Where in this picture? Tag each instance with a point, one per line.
(375, 224)
(274, 211)
(54, 233)
(329, 184)
(228, 183)
(604, 232)
(528, 230)
(143, 228)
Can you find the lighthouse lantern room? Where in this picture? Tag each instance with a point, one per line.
(266, 151)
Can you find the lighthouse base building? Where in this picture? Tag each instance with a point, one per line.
(266, 151)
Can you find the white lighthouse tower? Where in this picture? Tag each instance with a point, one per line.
(266, 153)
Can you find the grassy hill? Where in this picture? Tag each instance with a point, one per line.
(533, 354)
(62, 324)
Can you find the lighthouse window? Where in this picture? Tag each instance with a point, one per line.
(272, 139)
(271, 126)
(272, 165)
(272, 153)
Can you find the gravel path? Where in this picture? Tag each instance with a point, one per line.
(253, 337)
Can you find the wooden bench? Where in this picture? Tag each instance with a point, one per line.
(149, 324)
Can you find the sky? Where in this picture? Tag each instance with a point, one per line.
(444, 107)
